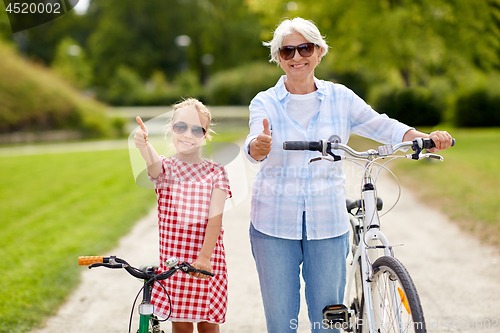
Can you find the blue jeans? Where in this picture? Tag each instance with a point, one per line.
(278, 263)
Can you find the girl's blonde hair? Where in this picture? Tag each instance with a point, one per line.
(200, 108)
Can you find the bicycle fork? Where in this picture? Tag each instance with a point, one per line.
(145, 309)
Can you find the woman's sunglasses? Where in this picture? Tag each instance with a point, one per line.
(182, 127)
(305, 50)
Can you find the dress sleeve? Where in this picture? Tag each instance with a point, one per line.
(222, 182)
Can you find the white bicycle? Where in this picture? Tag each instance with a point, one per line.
(380, 295)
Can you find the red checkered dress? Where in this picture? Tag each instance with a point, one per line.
(183, 191)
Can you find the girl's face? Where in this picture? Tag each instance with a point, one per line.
(188, 133)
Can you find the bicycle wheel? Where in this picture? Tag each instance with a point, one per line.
(357, 302)
(394, 300)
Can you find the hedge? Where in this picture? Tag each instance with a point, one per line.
(479, 107)
(415, 106)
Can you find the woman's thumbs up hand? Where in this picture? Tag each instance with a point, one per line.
(262, 144)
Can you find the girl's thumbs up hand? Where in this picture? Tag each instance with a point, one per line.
(141, 135)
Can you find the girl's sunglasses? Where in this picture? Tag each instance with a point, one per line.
(305, 50)
(182, 127)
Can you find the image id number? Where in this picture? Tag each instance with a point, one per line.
(32, 8)
(465, 324)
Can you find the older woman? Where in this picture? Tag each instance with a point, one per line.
(298, 214)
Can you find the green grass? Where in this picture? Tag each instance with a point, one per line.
(465, 186)
(54, 208)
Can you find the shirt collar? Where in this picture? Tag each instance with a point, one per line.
(281, 91)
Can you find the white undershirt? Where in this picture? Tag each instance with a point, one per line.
(302, 107)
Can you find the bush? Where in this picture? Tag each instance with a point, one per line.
(415, 106)
(32, 98)
(479, 107)
(127, 88)
(238, 86)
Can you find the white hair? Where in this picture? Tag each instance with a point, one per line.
(287, 27)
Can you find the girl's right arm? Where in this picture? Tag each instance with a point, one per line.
(153, 160)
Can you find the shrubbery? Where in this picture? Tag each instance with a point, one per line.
(235, 86)
(33, 99)
(415, 106)
(127, 88)
(239, 85)
(479, 107)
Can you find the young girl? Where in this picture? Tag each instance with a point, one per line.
(191, 193)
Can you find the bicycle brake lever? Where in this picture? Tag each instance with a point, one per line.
(328, 158)
(422, 156)
(434, 156)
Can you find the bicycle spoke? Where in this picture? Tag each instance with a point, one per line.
(392, 311)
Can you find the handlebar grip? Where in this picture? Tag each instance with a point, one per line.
(428, 143)
(85, 261)
(204, 272)
(302, 145)
(296, 145)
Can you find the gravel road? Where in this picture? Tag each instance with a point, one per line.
(458, 279)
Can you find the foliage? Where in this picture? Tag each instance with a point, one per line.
(68, 205)
(415, 39)
(142, 35)
(126, 88)
(239, 85)
(71, 63)
(479, 107)
(131, 46)
(32, 98)
(416, 106)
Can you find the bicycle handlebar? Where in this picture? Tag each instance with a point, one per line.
(114, 262)
(325, 147)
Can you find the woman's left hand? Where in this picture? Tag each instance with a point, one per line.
(204, 264)
(442, 139)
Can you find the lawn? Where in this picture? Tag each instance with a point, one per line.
(54, 208)
(466, 185)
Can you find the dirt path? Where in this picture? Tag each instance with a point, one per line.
(457, 278)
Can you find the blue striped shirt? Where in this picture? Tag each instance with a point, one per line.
(286, 185)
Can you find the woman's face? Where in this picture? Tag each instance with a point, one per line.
(299, 67)
(187, 135)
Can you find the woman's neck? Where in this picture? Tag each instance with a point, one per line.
(300, 87)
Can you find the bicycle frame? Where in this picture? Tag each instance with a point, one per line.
(146, 308)
(370, 237)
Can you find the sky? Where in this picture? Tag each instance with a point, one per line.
(81, 7)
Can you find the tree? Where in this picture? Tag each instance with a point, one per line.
(71, 63)
(142, 35)
(413, 39)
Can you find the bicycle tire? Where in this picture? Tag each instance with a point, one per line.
(395, 303)
(356, 303)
